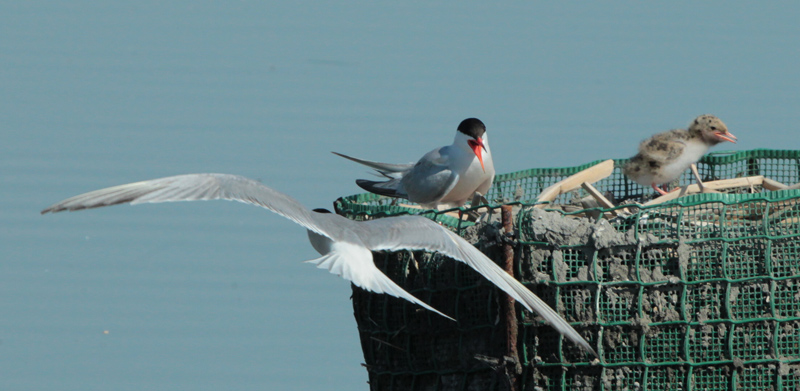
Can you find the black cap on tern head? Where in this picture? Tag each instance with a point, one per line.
(472, 127)
(322, 210)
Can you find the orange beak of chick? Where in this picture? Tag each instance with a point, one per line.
(727, 136)
(476, 146)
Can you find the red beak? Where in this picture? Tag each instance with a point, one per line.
(476, 146)
(726, 136)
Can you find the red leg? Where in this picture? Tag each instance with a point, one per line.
(662, 192)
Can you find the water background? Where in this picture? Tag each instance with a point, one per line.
(213, 295)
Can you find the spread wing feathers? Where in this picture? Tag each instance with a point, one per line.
(196, 187)
(355, 263)
(415, 232)
(386, 169)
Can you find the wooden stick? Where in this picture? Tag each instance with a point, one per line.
(713, 185)
(697, 176)
(601, 199)
(771, 184)
(589, 175)
(790, 221)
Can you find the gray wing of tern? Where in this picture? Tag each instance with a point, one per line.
(350, 242)
(348, 257)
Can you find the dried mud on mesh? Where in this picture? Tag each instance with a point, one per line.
(702, 292)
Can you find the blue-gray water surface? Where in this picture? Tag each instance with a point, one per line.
(213, 295)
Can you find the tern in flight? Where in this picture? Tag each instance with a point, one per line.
(447, 176)
(346, 246)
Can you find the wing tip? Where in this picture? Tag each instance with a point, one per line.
(371, 187)
(427, 306)
(54, 209)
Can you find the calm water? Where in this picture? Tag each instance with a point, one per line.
(213, 296)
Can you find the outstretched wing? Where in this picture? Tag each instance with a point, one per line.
(415, 232)
(347, 258)
(354, 263)
(198, 187)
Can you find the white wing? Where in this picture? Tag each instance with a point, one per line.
(195, 187)
(348, 258)
(354, 263)
(415, 232)
(407, 232)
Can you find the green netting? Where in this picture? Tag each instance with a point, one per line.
(701, 293)
(524, 186)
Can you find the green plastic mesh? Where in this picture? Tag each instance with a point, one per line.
(701, 293)
(524, 186)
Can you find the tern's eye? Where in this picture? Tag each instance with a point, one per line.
(713, 128)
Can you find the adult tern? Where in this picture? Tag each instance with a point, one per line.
(663, 157)
(346, 246)
(447, 176)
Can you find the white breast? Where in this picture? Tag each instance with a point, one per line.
(693, 151)
(472, 177)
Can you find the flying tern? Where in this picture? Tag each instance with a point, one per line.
(663, 157)
(345, 246)
(447, 176)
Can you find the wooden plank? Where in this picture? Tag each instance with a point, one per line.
(771, 184)
(589, 175)
(601, 199)
(713, 185)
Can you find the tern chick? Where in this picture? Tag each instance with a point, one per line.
(665, 156)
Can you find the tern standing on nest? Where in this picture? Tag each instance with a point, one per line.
(448, 176)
